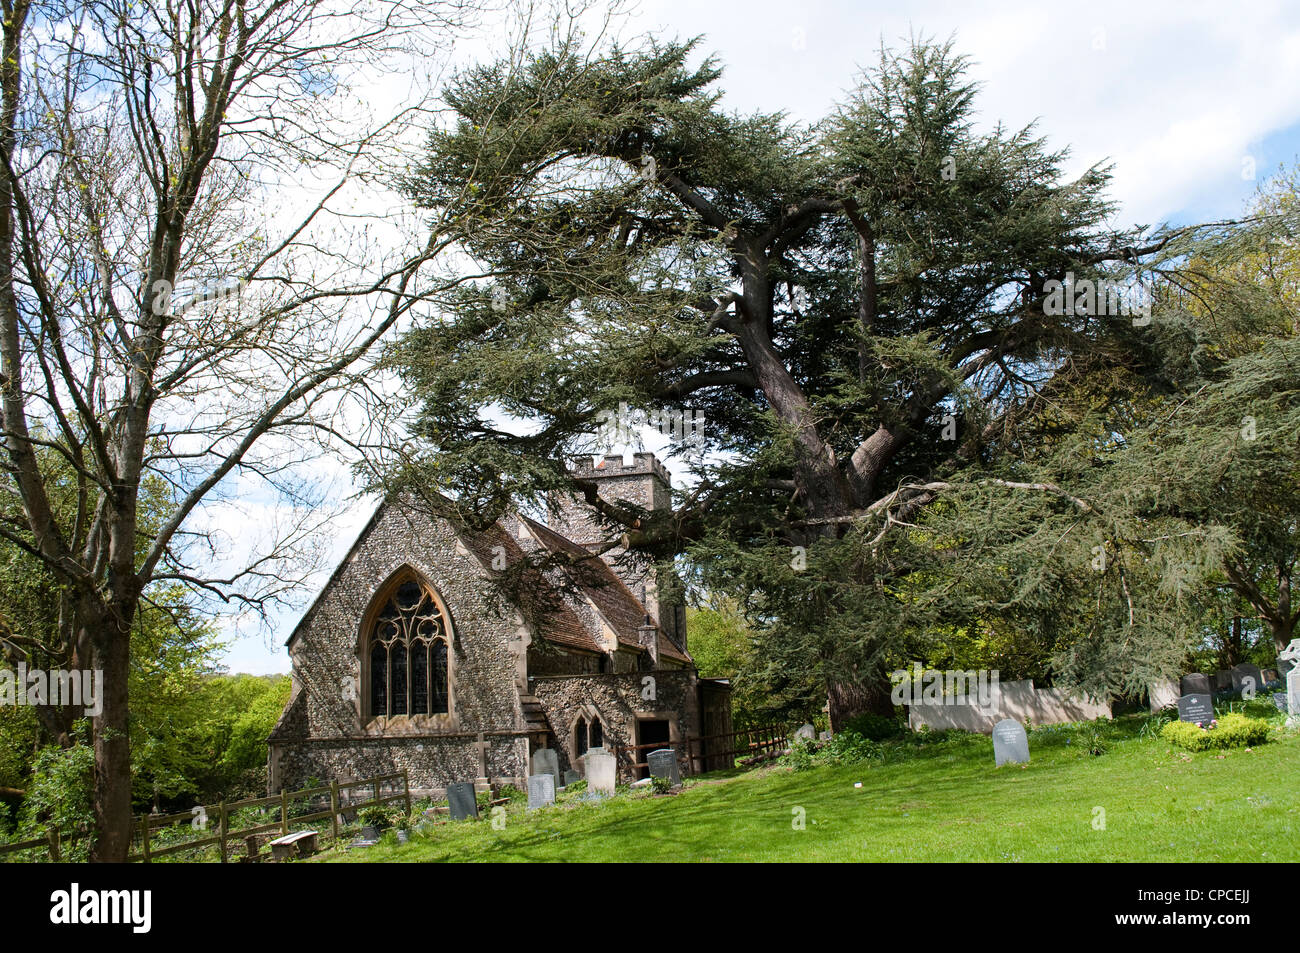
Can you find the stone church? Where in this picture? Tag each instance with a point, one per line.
(412, 659)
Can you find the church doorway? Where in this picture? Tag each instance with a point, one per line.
(650, 731)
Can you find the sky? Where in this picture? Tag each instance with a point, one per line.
(1194, 104)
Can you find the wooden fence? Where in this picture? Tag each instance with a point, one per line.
(146, 826)
(709, 752)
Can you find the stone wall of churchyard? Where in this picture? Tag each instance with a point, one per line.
(431, 763)
(485, 656)
(618, 700)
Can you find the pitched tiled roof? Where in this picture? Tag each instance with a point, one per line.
(554, 618)
(612, 598)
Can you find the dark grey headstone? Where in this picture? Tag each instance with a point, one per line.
(1279, 701)
(1247, 677)
(1222, 679)
(663, 764)
(1010, 743)
(571, 777)
(541, 790)
(1195, 684)
(462, 800)
(1198, 709)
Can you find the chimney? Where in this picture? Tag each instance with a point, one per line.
(647, 635)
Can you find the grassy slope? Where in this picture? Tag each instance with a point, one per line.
(941, 802)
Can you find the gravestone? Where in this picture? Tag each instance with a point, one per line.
(1195, 684)
(1279, 701)
(546, 761)
(806, 731)
(462, 800)
(1247, 677)
(1293, 694)
(663, 764)
(825, 736)
(571, 777)
(1162, 694)
(1222, 679)
(1270, 676)
(601, 771)
(1288, 658)
(1010, 743)
(541, 791)
(1197, 709)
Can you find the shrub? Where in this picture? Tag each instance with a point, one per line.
(661, 785)
(377, 816)
(874, 727)
(1231, 731)
(800, 757)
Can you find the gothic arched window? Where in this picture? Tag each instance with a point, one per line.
(408, 654)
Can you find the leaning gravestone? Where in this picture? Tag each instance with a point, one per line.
(1247, 678)
(663, 764)
(1010, 743)
(1197, 709)
(462, 800)
(571, 777)
(1162, 694)
(546, 761)
(1195, 684)
(601, 771)
(806, 731)
(541, 791)
(1279, 701)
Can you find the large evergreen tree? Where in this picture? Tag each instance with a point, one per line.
(861, 310)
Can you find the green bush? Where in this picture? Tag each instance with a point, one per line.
(874, 727)
(1231, 731)
(661, 785)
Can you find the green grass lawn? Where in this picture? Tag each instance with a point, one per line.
(927, 800)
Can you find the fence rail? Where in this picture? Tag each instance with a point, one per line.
(146, 825)
(702, 755)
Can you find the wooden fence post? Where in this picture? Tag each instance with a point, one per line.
(144, 836)
(284, 812)
(334, 807)
(223, 829)
(53, 833)
(406, 789)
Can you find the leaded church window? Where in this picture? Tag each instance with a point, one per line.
(408, 655)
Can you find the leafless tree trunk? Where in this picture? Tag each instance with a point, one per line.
(186, 299)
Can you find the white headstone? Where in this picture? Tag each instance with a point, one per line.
(601, 771)
(1293, 695)
(1288, 658)
(1162, 695)
(806, 731)
(541, 790)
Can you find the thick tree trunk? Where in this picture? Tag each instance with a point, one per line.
(112, 751)
(848, 699)
(1283, 632)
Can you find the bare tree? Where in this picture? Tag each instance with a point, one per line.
(190, 281)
